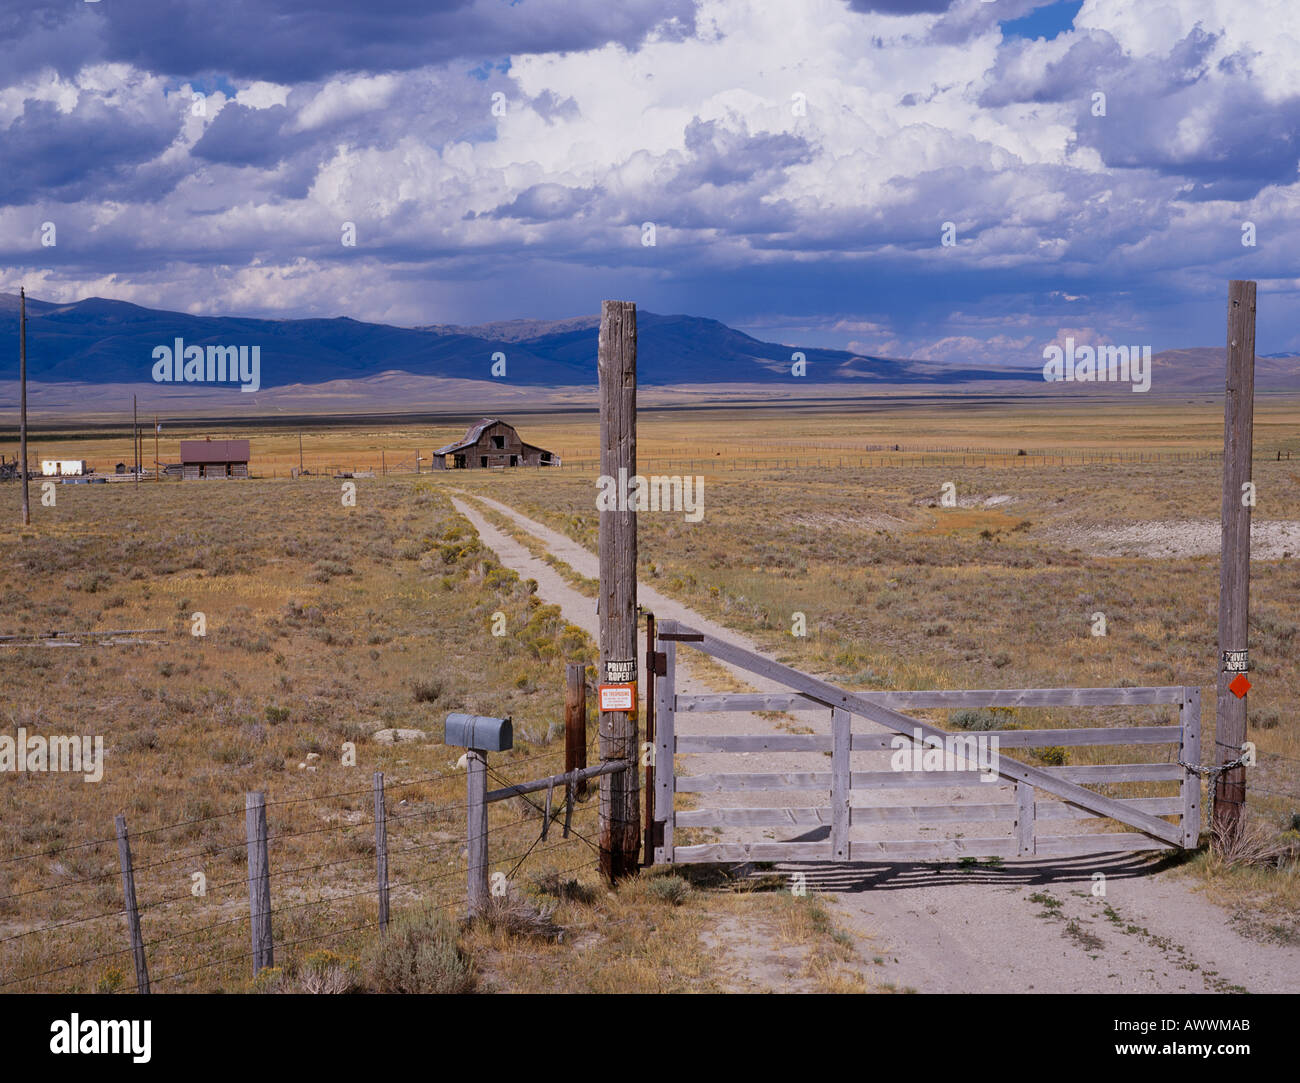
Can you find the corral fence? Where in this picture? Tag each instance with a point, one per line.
(840, 829)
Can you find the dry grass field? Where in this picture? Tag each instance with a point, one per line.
(326, 625)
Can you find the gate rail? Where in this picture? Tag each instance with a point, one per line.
(1145, 816)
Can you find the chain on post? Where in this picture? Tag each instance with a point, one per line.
(1212, 772)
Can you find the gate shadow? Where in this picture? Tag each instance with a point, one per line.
(854, 877)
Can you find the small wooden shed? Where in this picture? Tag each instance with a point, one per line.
(214, 459)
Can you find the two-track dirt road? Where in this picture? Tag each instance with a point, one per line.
(1024, 926)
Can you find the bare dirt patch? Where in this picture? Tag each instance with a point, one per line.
(1175, 538)
(757, 959)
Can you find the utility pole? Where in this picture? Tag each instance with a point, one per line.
(300, 454)
(22, 379)
(619, 792)
(157, 470)
(1234, 560)
(135, 442)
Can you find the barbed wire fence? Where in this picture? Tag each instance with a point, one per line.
(333, 862)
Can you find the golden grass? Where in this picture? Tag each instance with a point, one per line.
(322, 619)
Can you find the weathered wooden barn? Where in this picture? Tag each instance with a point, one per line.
(491, 442)
(214, 459)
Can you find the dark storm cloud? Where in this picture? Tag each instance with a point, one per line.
(546, 203)
(1091, 61)
(723, 156)
(1248, 141)
(243, 136)
(289, 41)
(901, 7)
(88, 153)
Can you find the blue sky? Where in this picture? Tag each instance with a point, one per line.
(1095, 165)
(1046, 22)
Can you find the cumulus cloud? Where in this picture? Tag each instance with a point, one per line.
(499, 160)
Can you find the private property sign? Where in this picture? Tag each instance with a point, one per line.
(618, 697)
(620, 671)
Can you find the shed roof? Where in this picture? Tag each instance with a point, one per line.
(214, 451)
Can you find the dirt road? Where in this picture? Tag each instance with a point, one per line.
(1039, 926)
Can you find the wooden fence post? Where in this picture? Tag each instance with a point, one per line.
(1190, 752)
(620, 836)
(841, 782)
(132, 911)
(477, 830)
(651, 693)
(1234, 560)
(259, 880)
(381, 850)
(575, 721)
(1025, 819)
(665, 744)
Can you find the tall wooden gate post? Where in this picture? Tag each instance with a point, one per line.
(619, 791)
(1234, 561)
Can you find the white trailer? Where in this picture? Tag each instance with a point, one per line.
(64, 468)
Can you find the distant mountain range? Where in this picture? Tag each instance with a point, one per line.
(99, 341)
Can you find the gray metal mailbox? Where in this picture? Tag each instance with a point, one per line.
(479, 731)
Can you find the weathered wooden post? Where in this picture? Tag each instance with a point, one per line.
(259, 880)
(651, 669)
(381, 849)
(1234, 561)
(575, 722)
(619, 791)
(477, 834)
(132, 911)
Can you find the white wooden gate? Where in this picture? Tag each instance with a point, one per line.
(1041, 794)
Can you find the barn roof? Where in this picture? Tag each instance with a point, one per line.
(214, 451)
(472, 435)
